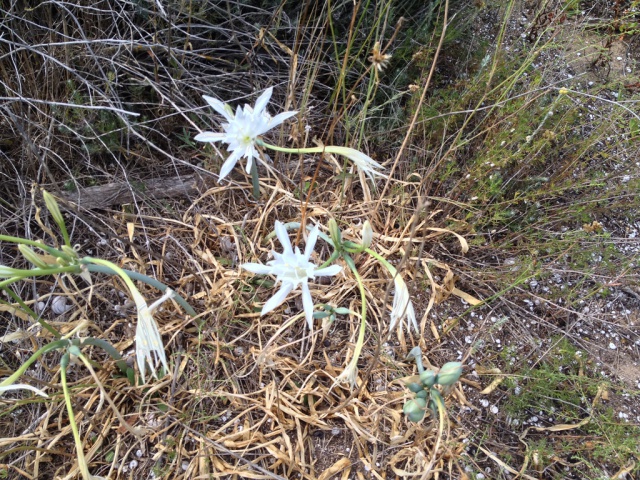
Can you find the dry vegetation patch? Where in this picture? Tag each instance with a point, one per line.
(523, 151)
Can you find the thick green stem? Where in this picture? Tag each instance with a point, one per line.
(50, 250)
(383, 261)
(40, 272)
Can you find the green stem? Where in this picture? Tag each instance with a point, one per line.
(334, 256)
(23, 368)
(275, 148)
(40, 272)
(52, 251)
(383, 261)
(31, 313)
(82, 464)
(107, 267)
(255, 179)
(111, 351)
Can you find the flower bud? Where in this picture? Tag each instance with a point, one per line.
(342, 311)
(351, 247)
(336, 236)
(422, 394)
(415, 417)
(32, 257)
(449, 373)
(428, 378)
(415, 387)
(53, 208)
(8, 272)
(415, 405)
(367, 234)
(414, 409)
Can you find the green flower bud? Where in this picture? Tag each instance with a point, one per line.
(8, 272)
(343, 311)
(352, 247)
(428, 378)
(74, 350)
(449, 373)
(367, 234)
(415, 387)
(53, 208)
(422, 394)
(415, 417)
(415, 405)
(336, 236)
(416, 353)
(32, 257)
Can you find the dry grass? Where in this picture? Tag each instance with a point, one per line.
(253, 396)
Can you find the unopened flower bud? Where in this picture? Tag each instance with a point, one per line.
(367, 234)
(428, 378)
(422, 394)
(32, 256)
(414, 409)
(53, 208)
(449, 373)
(415, 387)
(336, 236)
(8, 272)
(351, 247)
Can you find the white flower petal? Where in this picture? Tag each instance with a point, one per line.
(229, 163)
(283, 236)
(210, 137)
(219, 107)
(307, 303)
(281, 117)
(328, 271)
(149, 347)
(364, 163)
(249, 163)
(311, 242)
(293, 269)
(258, 268)
(21, 386)
(243, 129)
(402, 306)
(278, 298)
(263, 100)
(350, 374)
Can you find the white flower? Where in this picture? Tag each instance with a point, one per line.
(350, 374)
(244, 127)
(292, 268)
(402, 306)
(149, 347)
(20, 386)
(365, 163)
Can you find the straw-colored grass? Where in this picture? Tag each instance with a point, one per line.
(473, 213)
